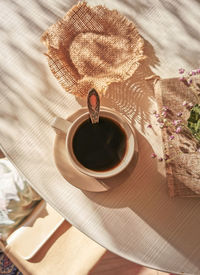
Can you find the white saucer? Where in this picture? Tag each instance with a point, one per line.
(81, 180)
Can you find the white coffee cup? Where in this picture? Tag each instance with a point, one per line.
(62, 126)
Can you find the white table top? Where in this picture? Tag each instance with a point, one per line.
(137, 219)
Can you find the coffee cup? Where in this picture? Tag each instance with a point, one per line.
(99, 150)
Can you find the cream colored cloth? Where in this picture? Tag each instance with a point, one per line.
(17, 198)
(92, 47)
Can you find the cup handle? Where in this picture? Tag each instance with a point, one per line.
(60, 125)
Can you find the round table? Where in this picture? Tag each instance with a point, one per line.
(135, 219)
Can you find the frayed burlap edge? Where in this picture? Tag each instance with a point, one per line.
(67, 77)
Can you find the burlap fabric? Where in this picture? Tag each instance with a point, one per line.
(92, 47)
(183, 171)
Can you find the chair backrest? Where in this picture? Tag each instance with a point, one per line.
(35, 230)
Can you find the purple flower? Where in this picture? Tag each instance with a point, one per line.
(165, 108)
(190, 81)
(176, 122)
(171, 137)
(166, 156)
(181, 71)
(178, 129)
(198, 71)
(164, 114)
(194, 73)
(162, 125)
(185, 103)
(179, 114)
(153, 156)
(160, 120)
(190, 105)
(184, 80)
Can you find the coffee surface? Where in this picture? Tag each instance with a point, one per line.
(99, 146)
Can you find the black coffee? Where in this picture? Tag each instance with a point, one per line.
(99, 146)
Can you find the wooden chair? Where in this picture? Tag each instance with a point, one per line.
(47, 244)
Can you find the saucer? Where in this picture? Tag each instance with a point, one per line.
(80, 180)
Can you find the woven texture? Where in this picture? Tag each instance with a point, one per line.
(183, 170)
(91, 48)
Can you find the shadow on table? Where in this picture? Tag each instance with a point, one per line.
(133, 97)
(173, 16)
(145, 192)
(146, 196)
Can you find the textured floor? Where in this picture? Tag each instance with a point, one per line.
(7, 267)
(106, 266)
